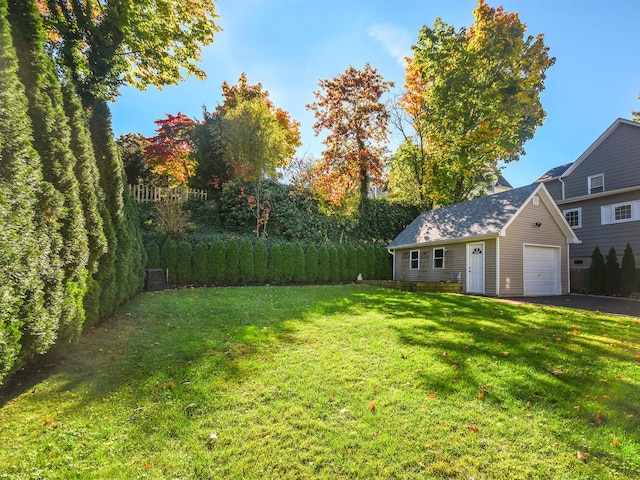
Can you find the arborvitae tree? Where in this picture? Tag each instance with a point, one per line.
(597, 272)
(612, 273)
(218, 262)
(169, 258)
(260, 260)
(352, 263)
(23, 242)
(311, 264)
(233, 262)
(287, 262)
(51, 139)
(153, 254)
(183, 263)
(371, 263)
(342, 262)
(628, 273)
(324, 265)
(299, 273)
(247, 267)
(334, 264)
(383, 264)
(275, 264)
(201, 263)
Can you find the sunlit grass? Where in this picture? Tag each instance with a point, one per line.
(332, 382)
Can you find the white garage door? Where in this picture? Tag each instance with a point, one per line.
(541, 270)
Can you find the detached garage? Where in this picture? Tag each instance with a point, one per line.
(513, 243)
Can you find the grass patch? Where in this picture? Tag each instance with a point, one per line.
(332, 382)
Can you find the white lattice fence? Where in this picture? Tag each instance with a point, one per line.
(150, 193)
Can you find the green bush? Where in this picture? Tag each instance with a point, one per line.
(260, 261)
(275, 264)
(217, 263)
(612, 273)
(334, 264)
(597, 272)
(233, 262)
(184, 268)
(169, 258)
(628, 273)
(324, 265)
(247, 267)
(153, 254)
(201, 272)
(311, 264)
(287, 262)
(299, 269)
(92, 303)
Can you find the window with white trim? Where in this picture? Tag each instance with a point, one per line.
(438, 257)
(414, 263)
(574, 217)
(620, 212)
(596, 183)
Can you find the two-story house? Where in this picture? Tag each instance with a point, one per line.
(599, 193)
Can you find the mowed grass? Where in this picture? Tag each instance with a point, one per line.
(332, 382)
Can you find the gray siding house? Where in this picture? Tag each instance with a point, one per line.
(599, 193)
(512, 243)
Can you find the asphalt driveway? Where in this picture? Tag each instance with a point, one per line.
(617, 306)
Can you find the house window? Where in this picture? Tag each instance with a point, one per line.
(438, 258)
(596, 183)
(620, 212)
(415, 260)
(574, 217)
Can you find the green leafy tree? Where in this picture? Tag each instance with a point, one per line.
(628, 272)
(351, 109)
(247, 266)
(132, 146)
(218, 262)
(612, 273)
(480, 88)
(261, 261)
(597, 272)
(233, 262)
(311, 264)
(275, 264)
(201, 263)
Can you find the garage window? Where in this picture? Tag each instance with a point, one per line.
(438, 258)
(415, 260)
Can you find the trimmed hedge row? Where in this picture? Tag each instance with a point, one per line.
(250, 262)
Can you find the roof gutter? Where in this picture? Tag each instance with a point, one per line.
(447, 241)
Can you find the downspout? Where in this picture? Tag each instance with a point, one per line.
(498, 266)
(562, 182)
(393, 262)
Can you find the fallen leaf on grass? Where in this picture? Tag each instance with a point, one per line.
(213, 436)
(375, 434)
(344, 410)
(480, 396)
(615, 442)
(190, 406)
(372, 406)
(48, 421)
(147, 465)
(432, 395)
(473, 427)
(582, 455)
(598, 418)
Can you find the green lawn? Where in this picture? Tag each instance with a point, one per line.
(332, 382)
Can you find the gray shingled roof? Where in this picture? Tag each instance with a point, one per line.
(478, 217)
(554, 172)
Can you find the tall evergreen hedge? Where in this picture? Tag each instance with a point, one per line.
(334, 264)
(324, 265)
(287, 262)
(612, 273)
(169, 259)
(233, 263)
(275, 264)
(628, 273)
(261, 261)
(299, 273)
(311, 264)
(597, 272)
(201, 263)
(153, 254)
(183, 271)
(217, 263)
(247, 267)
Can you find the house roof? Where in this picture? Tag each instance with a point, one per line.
(502, 182)
(554, 172)
(481, 217)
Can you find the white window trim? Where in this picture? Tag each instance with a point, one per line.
(607, 212)
(411, 260)
(569, 210)
(444, 251)
(589, 182)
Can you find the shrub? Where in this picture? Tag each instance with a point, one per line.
(311, 264)
(201, 272)
(260, 261)
(217, 263)
(171, 216)
(299, 273)
(334, 264)
(597, 272)
(628, 273)
(153, 254)
(184, 268)
(247, 268)
(342, 263)
(383, 264)
(275, 264)
(324, 265)
(168, 258)
(233, 262)
(371, 263)
(287, 262)
(612, 273)
(351, 271)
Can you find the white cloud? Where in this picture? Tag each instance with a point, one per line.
(396, 40)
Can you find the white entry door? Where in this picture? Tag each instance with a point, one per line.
(475, 267)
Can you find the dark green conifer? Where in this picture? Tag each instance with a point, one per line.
(233, 262)
(311, 264)
(261, 261)
(201, 263)
(612, 273)
(299, 272)
(597, 272)
(324, 265)
(247, 266)
(628, 274)
(218, 262)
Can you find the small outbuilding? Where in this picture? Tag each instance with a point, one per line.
(513, 243)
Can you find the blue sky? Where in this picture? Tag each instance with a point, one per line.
(287, 45)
